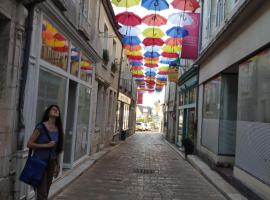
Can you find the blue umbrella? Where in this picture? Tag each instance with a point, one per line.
(162, 78)
(177, 32)
(156, 5)
(139, 79)
(152, 48)
(150, 69)
(131, 40)
(168, 62)
(134, 63)
(149, 73)
(151, 54)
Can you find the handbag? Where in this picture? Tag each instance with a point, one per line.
(34, 169)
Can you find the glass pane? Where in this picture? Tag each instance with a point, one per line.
(192, 96)
(82, 122)
(180, 127)
(51, 90)
(74, 61)
(86, 69)
(211, 105)
(54, 46)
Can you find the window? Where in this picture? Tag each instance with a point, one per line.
(55, 46)
(106, 35)
(51, 90)
(74, 61)
(113, 50)
(211, 104)
(86, 69)
(208, 25)
(192, 96)
(82, 122)
(254, 89)
(220, 12)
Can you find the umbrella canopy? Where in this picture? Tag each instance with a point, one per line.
(150, 73)
(156, 5)
(131, 40)
(173, 41)
(150, 59)
(134, 53)
(177, 32)
(153, 41)
(154, 20)
(180, 19)
(150, 69)
(138, 75)
(169, 55)
(151, 65)
(128, 19)
(126, 3)
(134, 68)
(153, 33)
(135, 63)
(186, 5)
(168, 62)
(151, 54)
(130, 31)
(163, 68)
(132, 47)
(152, 48)
(135, 57)
(171, 49)
(137, 72)
(163, 72)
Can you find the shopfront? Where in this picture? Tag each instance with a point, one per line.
(122, 115)
(187, 97)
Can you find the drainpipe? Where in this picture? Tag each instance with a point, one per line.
(30, 5)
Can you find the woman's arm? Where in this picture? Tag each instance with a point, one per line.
(32, 142)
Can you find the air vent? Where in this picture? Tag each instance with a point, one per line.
(144, 171)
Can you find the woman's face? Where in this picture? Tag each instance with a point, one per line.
(54, 112)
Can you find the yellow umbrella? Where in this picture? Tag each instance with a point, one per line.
(151, 61)
(171, 49)
(133, 53)
(137, 72)
(153, 33)
(126, 3)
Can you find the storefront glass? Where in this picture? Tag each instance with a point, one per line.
(86, 69)
(51, 90)
(55, 46)
(74, 61)
(125, 117)
(82, 122)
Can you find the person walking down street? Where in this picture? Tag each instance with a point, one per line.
(47, 143)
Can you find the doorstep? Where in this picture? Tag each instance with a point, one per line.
(212, 176)
(72, 174)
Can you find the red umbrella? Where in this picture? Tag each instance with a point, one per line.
(151, 65)
(163, 72)
(138, 75)
(186, 5)
(173, 41)
(128, 19)
(154, 20)
(135, 57)
(150, 59)
(170, 55)
(153, 41)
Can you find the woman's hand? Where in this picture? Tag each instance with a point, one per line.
(51, 144)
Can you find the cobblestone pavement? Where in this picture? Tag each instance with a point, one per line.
(142, 168)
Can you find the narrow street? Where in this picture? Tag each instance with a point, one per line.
(143, 167)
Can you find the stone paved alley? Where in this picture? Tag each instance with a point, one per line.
(119, 175)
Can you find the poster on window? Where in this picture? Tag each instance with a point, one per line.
(191, 42)
(139, 97)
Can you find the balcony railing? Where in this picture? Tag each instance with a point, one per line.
(84, 25)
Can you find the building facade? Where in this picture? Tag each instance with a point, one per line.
(74, 61)
(233, 99)
(12, 19)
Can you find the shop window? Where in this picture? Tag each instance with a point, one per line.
(51, 90)
(181, 103)
(74, 61)
(211, 105)
(254, 89)
(82, 122)
(55, 46)
(192, 96)
(86, 69)
(186, 98)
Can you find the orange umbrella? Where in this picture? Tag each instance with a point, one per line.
(133, 47)
(173, 41)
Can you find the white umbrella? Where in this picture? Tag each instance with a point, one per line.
(180, 19)
(130, 31)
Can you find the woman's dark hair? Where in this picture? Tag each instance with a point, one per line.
(58, 124)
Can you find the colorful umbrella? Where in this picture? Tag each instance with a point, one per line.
(150, 73)
(134, 68)
(171, 49)
(177, 32)
(138, 75)
(151, 65)
(131, 40)
(130, 31)
(154, 20)
(132, 47)
(135, 57)
(128, 19)
(151, 59)
(134, 53)
(151, 54)
(163, 68)
(153, 33)
(173, 41)
(152, 48)
(156, 5)
(126, 3)
(186, 5)
(169, 55)
(135, 63)
(153, 41)
(180, 19)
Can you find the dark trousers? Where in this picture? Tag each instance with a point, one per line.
(42, 191)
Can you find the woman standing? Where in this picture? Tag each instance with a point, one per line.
(47, 150)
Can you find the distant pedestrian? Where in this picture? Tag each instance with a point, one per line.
(47, 143)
